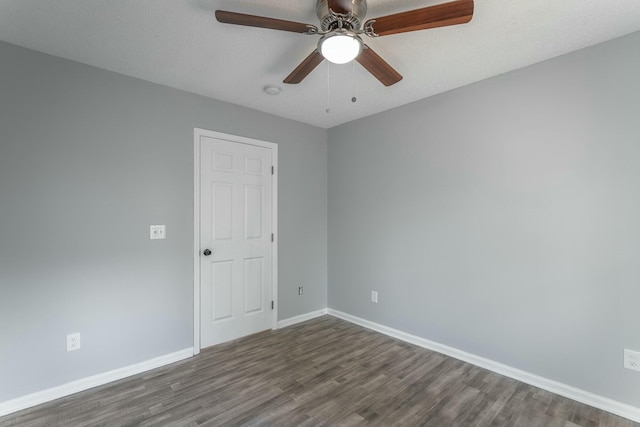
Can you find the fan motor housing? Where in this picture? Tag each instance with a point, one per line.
(353, 20)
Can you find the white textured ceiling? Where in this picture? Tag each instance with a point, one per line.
(181, 45)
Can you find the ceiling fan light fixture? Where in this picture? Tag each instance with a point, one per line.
(340, 46)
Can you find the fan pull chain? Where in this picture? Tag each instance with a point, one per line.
(328, 109)
(353, 82)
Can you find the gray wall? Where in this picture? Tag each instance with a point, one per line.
(88, 160)
(502, 218)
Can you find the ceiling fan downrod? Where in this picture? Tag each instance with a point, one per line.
(348, 14)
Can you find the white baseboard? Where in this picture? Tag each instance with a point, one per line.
(33, 399)
(591, 399)
(588, 398)
(301, 318)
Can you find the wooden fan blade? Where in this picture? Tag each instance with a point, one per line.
(377, 66)
(340, 6)
(263, 22)
(440, 15)
(305, 67)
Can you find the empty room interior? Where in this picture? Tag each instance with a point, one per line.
(208, 219)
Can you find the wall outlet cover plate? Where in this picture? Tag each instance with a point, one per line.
(73, 342)
(157, 232)
(632, 359)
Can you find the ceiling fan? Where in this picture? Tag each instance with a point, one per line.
(341, 25)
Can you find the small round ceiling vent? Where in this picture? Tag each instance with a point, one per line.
(271, 90)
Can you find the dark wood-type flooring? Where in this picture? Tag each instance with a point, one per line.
(322, 372)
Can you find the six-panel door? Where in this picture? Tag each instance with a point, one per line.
(236, 226)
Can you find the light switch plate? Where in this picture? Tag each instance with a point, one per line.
(157, 232)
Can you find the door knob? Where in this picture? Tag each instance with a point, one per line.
(206, 252)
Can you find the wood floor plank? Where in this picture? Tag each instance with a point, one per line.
(322, 372)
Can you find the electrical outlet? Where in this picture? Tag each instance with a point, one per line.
(157, 232)
(374, 296)
(632, 359)
(73, 342)
(300, 290)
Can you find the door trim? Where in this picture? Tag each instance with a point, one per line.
(197, 133)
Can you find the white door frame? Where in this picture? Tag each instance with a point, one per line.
(197, 133)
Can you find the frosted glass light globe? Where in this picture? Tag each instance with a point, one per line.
(340, 46)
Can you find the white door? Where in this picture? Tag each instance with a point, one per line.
(235, 239)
